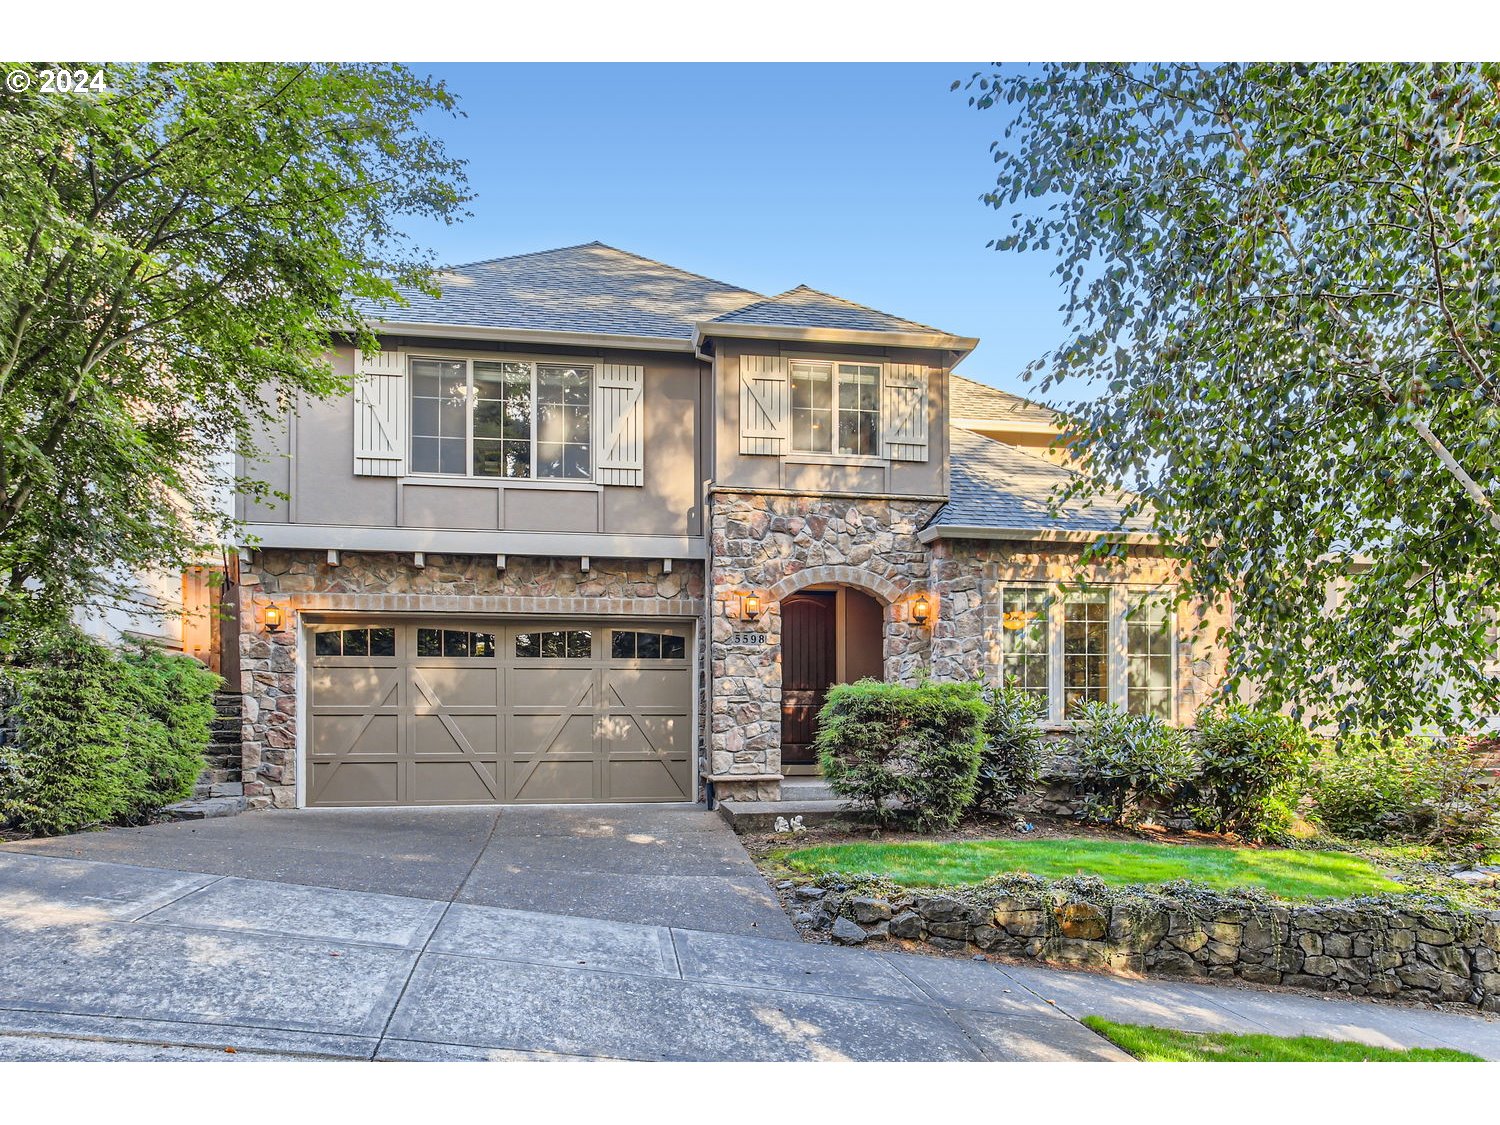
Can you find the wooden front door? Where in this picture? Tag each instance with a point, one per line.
(809, 663)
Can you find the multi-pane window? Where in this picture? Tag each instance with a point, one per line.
(333, 641)
(455, 642)
(1085, 647)
(556, 644)
(836, 408)
(1106, 643)
(1024, 640)
(630, 644)
(1148, 657)
(509, 419)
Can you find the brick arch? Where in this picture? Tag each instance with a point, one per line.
(880, 587)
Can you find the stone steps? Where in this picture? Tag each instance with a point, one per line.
(761, 816)
(203, 808)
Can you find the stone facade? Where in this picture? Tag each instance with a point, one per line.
(1373, 947)
(303, 582)
(774, 545)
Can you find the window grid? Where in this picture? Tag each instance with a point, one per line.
(501, 419)
(1110, 643)
(1024, 641)
(836, 408)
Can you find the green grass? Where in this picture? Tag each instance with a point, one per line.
(1287, 874)
(1156, 1044)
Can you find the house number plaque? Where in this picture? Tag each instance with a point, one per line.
(748, 638)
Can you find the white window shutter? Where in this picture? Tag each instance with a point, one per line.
(380, 414)
(619, 423)
(765, 404)
(903, 412)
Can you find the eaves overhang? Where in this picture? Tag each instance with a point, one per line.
(530, 336)
(706, 329)
(1032, 534)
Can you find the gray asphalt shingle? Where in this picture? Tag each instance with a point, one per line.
(589, 288)
(968, 399)
(804, 307)
(992, 484)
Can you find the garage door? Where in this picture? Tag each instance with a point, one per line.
(436, 713)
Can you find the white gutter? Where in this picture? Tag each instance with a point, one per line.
(1031, 535)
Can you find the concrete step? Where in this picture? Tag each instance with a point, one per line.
(202, 808)
(806, 789)
(761, 816)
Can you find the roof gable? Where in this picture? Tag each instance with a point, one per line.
(592, 288)
(974, 401)
(805, 307)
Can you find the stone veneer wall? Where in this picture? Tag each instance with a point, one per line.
(1371, 947)
(302, 581)
(775, 545)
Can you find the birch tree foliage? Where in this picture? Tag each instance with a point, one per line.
(1282, 294)
(175, 252)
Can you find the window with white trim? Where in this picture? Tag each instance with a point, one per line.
(1069, 646)
(836, 408)
(501, 418)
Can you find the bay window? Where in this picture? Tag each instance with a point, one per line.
(501, 418)
(1068, 646)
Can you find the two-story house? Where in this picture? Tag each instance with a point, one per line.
(593, 528)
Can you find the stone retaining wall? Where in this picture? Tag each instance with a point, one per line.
(1366, 947)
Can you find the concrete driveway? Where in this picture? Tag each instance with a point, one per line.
(639, 933)
(660, 864)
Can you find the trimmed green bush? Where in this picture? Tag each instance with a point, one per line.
(1014, 747)
(1129, 764)
(94, 737)
(919, 745)
(1373, 786)
(1251, 765)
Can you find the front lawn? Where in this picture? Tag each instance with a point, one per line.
(1287, 874)
(1155, 1044)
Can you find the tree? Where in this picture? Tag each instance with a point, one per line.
(1282, 280)
(175, 254)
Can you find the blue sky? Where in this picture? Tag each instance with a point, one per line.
(862, 180)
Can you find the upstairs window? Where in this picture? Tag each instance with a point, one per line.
(836, 408)
(501, 418)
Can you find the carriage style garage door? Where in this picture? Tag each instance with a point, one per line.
(463, 712)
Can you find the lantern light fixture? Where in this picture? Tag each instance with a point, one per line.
(921, 609)
(750, 606)
(273, 619)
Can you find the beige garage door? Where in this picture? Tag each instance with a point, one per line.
(437, 713)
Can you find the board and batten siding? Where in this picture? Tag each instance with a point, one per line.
(620, 431)
(903, 412)
(765, 405)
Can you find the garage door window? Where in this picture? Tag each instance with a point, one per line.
(635, 645)
(556, 644)
(455, 642)
(355, 642)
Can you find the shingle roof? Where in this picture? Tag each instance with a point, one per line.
(968, 399)
(992, 484)
(589, 288)
(804, 307)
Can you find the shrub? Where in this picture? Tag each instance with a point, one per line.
(1127, 763)
(1014, 746)
(1378, 787)
(96, 737)
(1251, 765)
(919, 745)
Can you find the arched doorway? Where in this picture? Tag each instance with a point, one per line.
(829, 635)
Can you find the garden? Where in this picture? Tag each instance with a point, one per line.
(1244, 847)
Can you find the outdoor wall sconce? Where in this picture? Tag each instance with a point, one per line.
(749, 606)
(273, 619)
(921, 609)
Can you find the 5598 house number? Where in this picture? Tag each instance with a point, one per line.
(746, 637)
